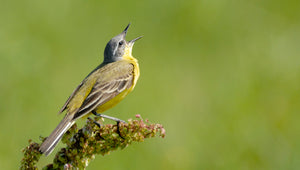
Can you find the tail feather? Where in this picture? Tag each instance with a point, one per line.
(49, 144)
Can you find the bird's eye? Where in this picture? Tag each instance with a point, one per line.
(121, 43)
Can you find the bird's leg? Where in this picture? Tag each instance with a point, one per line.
(111, 118)
(98, 124)
(107, 117)
(118, 130)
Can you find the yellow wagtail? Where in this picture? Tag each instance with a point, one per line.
(102, 89)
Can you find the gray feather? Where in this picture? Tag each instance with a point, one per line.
(49, 144)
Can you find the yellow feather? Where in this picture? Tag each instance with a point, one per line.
(136, 73)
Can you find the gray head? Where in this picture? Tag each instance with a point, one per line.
(118, 46)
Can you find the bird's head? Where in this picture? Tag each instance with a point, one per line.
(118, 47)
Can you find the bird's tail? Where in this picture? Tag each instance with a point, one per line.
(49, 144)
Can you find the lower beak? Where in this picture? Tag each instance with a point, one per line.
(131, 42)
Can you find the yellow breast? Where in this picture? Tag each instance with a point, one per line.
(123, 94)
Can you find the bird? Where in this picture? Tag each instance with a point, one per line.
(101, 89)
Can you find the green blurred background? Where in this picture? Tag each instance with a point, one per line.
(223, 77)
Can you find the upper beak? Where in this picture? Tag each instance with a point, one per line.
(131, 42)
(125, 31)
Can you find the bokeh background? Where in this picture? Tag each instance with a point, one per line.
(222, 76)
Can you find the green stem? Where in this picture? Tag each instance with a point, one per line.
(83, 144)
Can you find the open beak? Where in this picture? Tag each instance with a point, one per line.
(131, 42)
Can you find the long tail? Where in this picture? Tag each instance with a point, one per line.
(49, 144)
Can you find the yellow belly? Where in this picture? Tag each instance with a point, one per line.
(111, 103)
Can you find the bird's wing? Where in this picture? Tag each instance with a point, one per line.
(112, 79)
(78, 88)
(71, 96)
